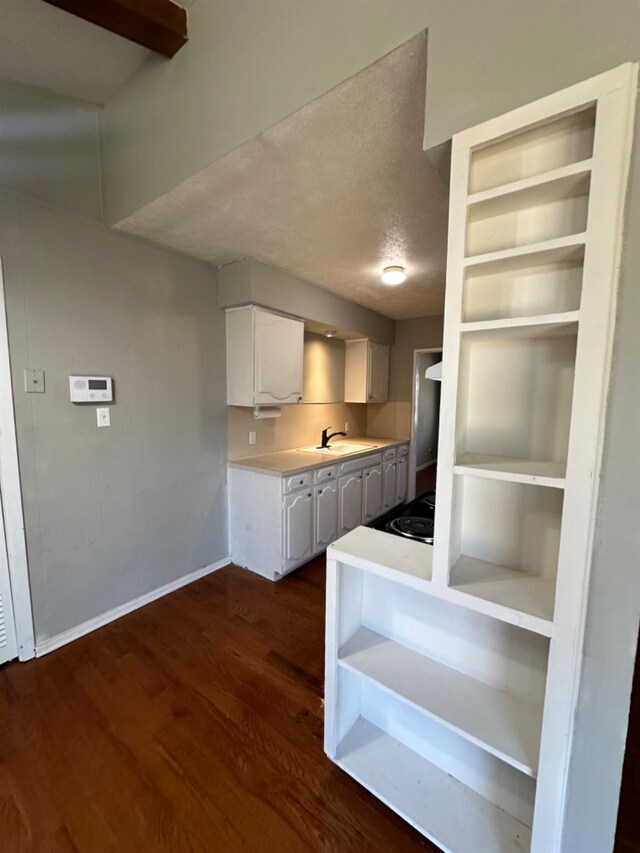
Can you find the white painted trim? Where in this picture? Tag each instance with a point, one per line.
(90, 625)
(413, 447)
(12, 498)
(426, 465)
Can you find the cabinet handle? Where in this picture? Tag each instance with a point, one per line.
(320, 492)
(309, 495)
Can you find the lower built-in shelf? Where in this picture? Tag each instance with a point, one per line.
(488, 717)
(517, 590)
(442, 808)
(535, 472)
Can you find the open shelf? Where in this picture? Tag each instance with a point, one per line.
(536, 472)
(485, 715)
(534, 253)
(530, 325)
(507, 587)
(516, 391)
(541, 212)
(583, 167)
(449, 813)
(533, 151)
(505, 542)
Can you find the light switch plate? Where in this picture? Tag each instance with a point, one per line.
(252, 437)
(104, 417)
(34, 381)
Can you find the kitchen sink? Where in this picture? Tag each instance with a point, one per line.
(338, 449)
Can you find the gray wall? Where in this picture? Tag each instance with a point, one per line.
(417, 333)
(249, 281)
(113, 513)
(49, 149)
(324, 362)
(428, 407)
(250, 64)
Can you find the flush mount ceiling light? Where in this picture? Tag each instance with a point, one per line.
(329, 333)
(393, 275)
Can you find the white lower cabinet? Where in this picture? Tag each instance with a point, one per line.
(350, 501)
(325, 529)
(299, 515)
(389, 485)
(371, 493)
(298, 528)
(402, 470)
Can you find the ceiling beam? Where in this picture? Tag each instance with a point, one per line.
(158, 25)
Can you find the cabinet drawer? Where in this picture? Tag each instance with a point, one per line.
(298, 481)
(389, 453)
(324, 474)
(361, 462)
(403, 450)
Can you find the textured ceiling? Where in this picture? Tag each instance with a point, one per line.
(50, 49)
(331, 194)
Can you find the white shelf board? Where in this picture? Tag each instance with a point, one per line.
(583, 167)
(437, 805)
(504, 586)
(524, 325)
(410, 564)
(534, 472)
(478, 712)
(535, 252)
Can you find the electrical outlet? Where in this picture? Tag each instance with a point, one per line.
(104, 417)
(252, 436)
(346, 426)
(34, 381)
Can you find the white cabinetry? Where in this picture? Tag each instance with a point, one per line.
(298, 528)
(371, 493)
(389, 499)
(451, 671)
(326, 516)
(265, 354)
(402, 471)
(350, 490)
(366, 372)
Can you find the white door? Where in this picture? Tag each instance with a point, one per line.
(389, 485)
(378, 373)
(298, 528)
(350, 499)
(401, 479)
(326, 516)
(279, 353)
(372, 494)
(8, 642)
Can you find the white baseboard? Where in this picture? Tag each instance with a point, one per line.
(71, 634)
(426, 465)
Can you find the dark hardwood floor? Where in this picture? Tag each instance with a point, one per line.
(194, 724)
(425, 479)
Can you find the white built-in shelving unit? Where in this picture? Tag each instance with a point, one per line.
(452, 671)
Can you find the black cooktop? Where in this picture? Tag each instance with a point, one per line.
(413, 520)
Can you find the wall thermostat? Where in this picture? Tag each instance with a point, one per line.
(91, 389)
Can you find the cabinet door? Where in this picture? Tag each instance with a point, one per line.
(298, 528)
(326, 516)
(401, 479)
(371, 494)
(389, 485)
(279, 349)
(350, 500)
(378, 372)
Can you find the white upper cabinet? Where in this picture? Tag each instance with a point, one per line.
(366, 372)
(265, 354)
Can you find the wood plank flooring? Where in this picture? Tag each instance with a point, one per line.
(194, 724)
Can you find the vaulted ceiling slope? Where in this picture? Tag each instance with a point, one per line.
(331, 194)
(50, 49)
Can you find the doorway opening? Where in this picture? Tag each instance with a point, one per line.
(425, 421)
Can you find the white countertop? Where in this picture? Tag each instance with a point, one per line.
(286, 462)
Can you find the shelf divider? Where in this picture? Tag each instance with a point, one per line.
(582, 167)
(534, 250)
(513, 470)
